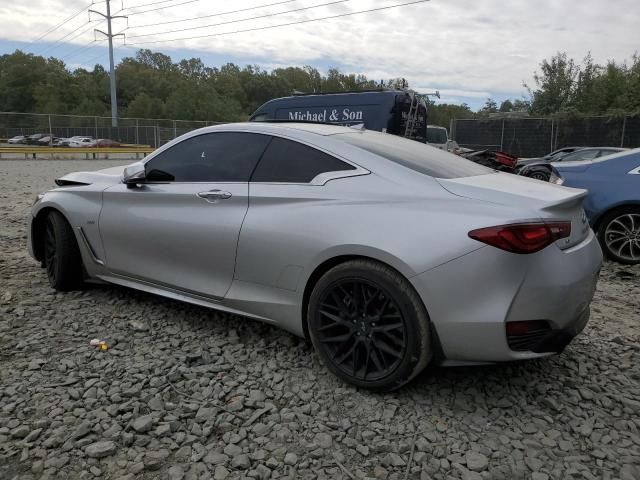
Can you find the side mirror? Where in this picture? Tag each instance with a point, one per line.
(134, 174)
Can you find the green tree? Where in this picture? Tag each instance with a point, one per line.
(145, 106)
(442, 113)
(506, 106)
(555, 85)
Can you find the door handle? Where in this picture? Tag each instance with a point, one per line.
(214, 195)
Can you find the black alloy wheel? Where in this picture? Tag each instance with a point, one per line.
(62, 257)
(362, 328)
(369, 325)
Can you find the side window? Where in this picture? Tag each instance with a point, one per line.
(292, 162)
(211, 157)
(590, 155)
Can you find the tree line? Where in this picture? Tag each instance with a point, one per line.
(151, 85)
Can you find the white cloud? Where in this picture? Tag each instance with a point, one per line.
(465, 48)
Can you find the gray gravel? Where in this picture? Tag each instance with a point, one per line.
(189, 393)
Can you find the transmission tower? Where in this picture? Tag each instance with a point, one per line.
(112, 71)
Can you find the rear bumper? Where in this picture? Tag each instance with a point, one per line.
(551, 341)
(470, 300)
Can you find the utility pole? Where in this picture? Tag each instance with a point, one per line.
(112, 71)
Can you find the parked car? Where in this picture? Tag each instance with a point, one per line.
(78, 140)
(105, 142)
(372, 246)
(46, 141)
(60, 142)
(577, 155)
(506, 162)
(613, 204)
(33, 139)
(17, 139)
(550, 157)
(81, 142)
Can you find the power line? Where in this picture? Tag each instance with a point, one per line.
(162, 8)
(243, 19)
(59, 40)
(95, 58)
(147, 4)
(68, 19)
(299, 22)
(213, 14)
(76, 51)
(90, 25)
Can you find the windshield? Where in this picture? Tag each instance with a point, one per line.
(436, 135)
(415, 155)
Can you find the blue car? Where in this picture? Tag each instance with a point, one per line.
(613, 203)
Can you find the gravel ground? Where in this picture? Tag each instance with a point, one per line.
(185, 392)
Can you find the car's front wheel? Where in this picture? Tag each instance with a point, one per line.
(369, 326)
(619, 235)
(61, 254)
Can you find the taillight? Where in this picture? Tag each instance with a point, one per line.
(522, 237)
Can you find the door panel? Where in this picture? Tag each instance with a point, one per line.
(169, 234)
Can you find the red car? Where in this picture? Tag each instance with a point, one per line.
(105, 142)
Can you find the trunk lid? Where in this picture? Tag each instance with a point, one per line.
(544, 200)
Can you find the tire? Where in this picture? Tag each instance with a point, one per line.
(344, 307)
(619, 235)
(61, 254)
(540, 175)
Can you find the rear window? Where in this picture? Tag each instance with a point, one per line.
(415, 155)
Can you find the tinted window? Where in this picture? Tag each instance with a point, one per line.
(287, 161)
(212, 157)
(415, 155)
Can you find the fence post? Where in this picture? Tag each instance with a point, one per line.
(95, 119)
(451, 129)
(552, 123)
(175, 131)
(50, 130)
(137, 137)
(502, 137)
(624, 127)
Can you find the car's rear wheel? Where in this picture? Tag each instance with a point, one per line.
(619, 235)
(369, 325)
(61, 254)
(540, 175)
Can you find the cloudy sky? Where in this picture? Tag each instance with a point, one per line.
(467, 49)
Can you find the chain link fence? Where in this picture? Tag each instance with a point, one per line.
(535, 137)
(137, 131)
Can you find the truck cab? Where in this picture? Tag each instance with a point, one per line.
(439, 137)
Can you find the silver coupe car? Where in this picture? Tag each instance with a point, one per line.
(386, 253)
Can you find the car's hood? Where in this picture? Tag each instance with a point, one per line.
(108, 176)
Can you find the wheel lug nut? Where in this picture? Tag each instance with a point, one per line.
(373, 324)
